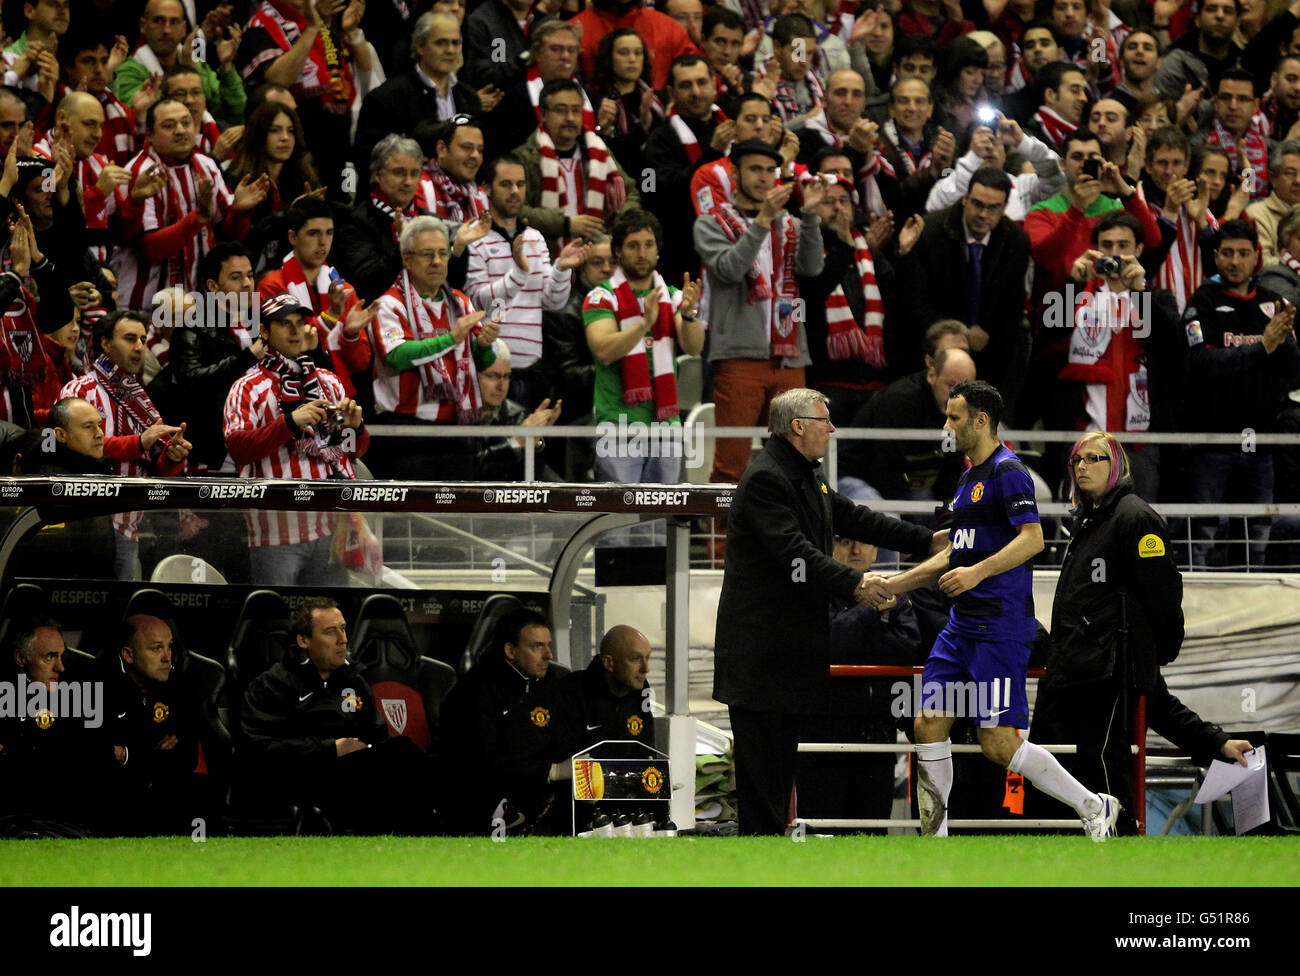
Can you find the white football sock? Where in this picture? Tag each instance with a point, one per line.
(1040, 767)
(934, 783)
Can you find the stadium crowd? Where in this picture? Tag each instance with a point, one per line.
(1106, 192)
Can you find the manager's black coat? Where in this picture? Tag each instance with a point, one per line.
(773, 632)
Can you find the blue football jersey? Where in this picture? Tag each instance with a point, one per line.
(993, 500)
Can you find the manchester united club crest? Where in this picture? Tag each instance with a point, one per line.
(44, 718)
(160, 712)
(977, 492)
(652, 779)
(634, 725)
(540, 717)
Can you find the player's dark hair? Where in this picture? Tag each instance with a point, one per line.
(1236, 230)
(554, 87)
(980, 397)
(914, 45)
(993, 178)
(685, 61)
(300, 621)
(1117, 218)
(511, 625)
(1081, 134)
(721, 17)
(105, 327)
(790, 26)
(630, 220)
(1168, 137)
(1049, 78)
(210, 264)
(1237, 74)
(308, 208)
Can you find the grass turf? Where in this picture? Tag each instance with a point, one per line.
(906, 861)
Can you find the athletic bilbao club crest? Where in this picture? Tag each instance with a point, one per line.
(540, 717)
(160, 712)
(395, 712)
(24, 344)
(635, 725)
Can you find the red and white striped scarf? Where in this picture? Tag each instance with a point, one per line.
(1286, 258)
(845, 339)
(1056, 127)
(637, 384)
(787, 105)
(134, 410)
(450, 375)
(686, 137)
(601, 175)
(1018, 77)
(118, 140)
(782, 329)
(1256, 143)
(445, 198)
(890, 132)
(293, 383)
(534, 83)
(325, 74)
(315, 295)
(1181, 272)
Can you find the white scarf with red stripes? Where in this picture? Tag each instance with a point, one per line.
(602, 174)
(845, 339)
(1255, 141)
(449, 375)
(534, 85)
(295, 281)
(1181, 273)
(686, 137)
(119, 135)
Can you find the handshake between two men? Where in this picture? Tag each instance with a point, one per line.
(881, 592)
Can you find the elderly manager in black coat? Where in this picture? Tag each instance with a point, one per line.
(773, 631)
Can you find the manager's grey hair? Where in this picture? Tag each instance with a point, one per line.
(785, 407)
(391, 145)
(423, 224)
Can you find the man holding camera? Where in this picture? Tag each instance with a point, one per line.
(1124, 362)
(285, 418)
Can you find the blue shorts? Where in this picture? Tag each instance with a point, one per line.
(979, 679)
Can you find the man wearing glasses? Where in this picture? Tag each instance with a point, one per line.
(429, 90)
(773, 631)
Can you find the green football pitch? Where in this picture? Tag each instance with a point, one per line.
(909, 861)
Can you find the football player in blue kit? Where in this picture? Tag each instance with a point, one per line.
(983, 651)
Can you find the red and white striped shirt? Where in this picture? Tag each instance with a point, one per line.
(175, 261)
(403, 391)
(261, 443)
(120, 140)
(512, 297)
(117, 423)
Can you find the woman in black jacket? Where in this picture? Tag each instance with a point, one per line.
(1117, 617)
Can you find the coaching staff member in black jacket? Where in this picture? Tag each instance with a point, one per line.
(773, 632)
(1118, 574)
(315, 738)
